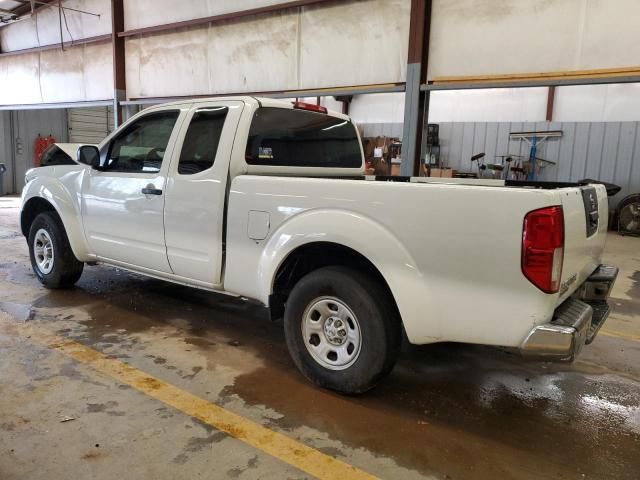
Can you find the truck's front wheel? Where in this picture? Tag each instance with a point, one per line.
(341, 329)
(52, 259)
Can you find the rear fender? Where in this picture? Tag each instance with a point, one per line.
(365, 236)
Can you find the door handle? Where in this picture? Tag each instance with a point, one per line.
(151, 190)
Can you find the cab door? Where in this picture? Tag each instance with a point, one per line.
(123, 202)
(196, 191)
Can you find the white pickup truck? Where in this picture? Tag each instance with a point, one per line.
(267, 200)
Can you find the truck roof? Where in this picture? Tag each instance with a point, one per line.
(261, 101)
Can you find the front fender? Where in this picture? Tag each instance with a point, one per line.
(64, 196)
(365, 236)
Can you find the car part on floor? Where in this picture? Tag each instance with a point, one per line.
(629, 215)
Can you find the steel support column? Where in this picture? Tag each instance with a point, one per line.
(416, 103)
(551, 99)
(117, 46)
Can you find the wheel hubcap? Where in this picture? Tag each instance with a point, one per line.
(331, 333)
(43, 251)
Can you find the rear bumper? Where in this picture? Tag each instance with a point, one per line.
(576, 322)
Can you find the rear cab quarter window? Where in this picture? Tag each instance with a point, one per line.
(201, 140)
(298, 138)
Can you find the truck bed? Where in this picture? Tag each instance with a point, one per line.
(438, 242)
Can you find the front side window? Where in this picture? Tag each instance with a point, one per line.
(299, 138)
(54, 155)
(140, 148)
(201, 140)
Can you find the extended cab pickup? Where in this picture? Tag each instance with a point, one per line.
(267, 200)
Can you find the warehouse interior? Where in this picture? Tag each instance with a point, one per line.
(202, 386)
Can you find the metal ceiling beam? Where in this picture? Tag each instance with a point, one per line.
(44, 106)
(49, 3)
(220, 18)
(54, 46)
(551, 100)
(323, 92)
(537, 79)
(26, 6)
(558, 82)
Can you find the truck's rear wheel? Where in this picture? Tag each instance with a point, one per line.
(341, 329)
(52, 259)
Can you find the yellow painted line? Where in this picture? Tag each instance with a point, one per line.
(280, 446)
(614, 333)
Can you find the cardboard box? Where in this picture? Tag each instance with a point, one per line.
(442, 172)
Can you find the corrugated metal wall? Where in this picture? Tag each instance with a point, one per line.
(27, 125)
(606, 151)
(6, 182)
(90, 125)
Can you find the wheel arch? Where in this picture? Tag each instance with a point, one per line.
(42, 196)
(364, 238)
(312, 256)
(31, 209)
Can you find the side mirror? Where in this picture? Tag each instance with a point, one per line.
(89, 155)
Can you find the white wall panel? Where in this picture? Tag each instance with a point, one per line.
(23, 34)
(171, 64)
(19, 35)
(76, 74)
(254, 54)
(488, 105)
(98, 72)
(598, 103)
(257, 54)
(354, 43)
(61, 75)
(146, 13)
(19, 78)
(331, 104)
(351, 43)
(487, 37)
(377, 108)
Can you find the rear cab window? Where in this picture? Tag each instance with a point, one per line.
(299, 138)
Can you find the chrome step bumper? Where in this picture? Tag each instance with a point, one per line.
(576, 322)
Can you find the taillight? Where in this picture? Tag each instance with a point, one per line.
(309, 106)
(543, 248)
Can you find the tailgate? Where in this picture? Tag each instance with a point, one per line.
(586, 215)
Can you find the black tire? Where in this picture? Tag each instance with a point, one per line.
(66, 269)
(377, 320)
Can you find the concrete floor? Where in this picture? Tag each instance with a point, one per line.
(447, 411)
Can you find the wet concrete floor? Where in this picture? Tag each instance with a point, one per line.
(447, 411)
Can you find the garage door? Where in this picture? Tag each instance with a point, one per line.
(90, 125)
